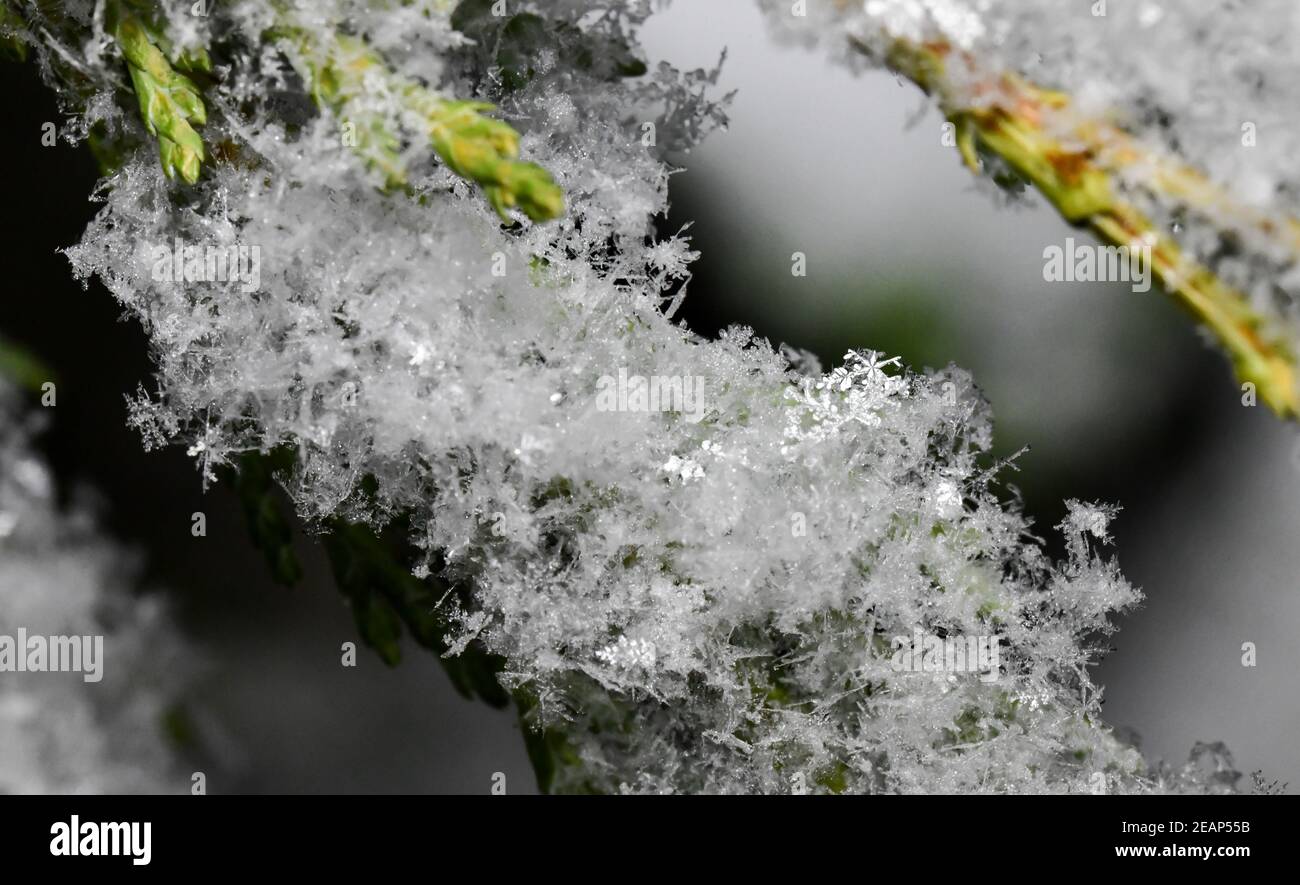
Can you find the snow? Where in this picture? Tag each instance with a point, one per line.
(644, 575)
(59, 576)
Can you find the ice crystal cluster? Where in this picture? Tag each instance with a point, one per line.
(1188, 87)
(708, 600)
(60, 577)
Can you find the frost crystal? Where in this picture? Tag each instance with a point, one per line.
(696, 605)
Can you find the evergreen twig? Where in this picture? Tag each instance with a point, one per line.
(1078, 180)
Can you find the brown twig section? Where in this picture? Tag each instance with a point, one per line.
(1074, 160)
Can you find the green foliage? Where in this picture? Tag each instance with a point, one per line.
(169, 101)
(254, 483)
(385, 599)
(475, 147)
(111, 148)
(547, 748)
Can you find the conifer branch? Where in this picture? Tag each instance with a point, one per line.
(1077, 178)
(340, 71)
(169, 101)
(475, 147)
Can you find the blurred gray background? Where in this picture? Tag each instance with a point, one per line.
(1114, 391)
